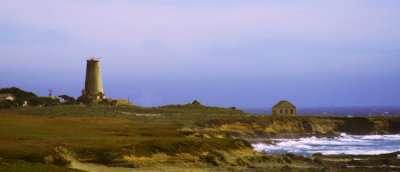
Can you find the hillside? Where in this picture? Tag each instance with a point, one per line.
(173, 136)
(230, 122)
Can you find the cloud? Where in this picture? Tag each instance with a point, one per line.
(196, 24)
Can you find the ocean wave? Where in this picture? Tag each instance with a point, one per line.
(381, 137)
(394, 137)
(261, 146)
(372, 137)
(344, 144)
(303, 147)
(356, 152)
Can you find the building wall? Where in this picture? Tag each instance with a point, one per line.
(93, 82)
(283, 111)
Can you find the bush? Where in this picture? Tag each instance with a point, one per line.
(44, 101)
(67, 99)
(20, 95)
(104, 102)
(84, 99)
(317, 154)
(5, 104)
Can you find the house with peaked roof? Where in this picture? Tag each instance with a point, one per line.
(284, 107)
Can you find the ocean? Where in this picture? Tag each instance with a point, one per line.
(344, 144)
(338, 111)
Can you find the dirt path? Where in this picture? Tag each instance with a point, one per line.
(102, 168)
(96, 167)
(90, 167)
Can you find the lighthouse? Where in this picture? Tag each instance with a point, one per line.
(93, 83)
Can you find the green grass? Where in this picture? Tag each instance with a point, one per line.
(94, 135)
(186, 115)
(104, 134)
(24, 166)
(198, 116)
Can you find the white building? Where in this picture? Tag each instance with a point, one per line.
(7, 97)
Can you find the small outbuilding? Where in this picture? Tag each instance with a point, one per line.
(284, 107)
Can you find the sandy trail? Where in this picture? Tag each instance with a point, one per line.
(90, 167)
(102, 168)
(97, 168)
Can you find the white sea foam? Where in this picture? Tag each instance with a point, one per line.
(355, 152)
(303, 147)
(261, 146)
(392, 137)
(373, 137)
(289, 143)
(349, 139)
(344, 144)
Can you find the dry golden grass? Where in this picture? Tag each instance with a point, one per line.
(99, 139)
(22, 135)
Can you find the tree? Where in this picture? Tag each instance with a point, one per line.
(67, 99)
(20, 95)
(84, 99)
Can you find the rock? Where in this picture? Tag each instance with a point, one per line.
(56, 160)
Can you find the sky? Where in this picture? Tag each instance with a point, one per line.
(223, 53)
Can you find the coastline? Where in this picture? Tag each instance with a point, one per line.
(184, 136)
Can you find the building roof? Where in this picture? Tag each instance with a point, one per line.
(283, 103)
(5, 95)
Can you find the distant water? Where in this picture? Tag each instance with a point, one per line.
(337, 111)
(345, 144)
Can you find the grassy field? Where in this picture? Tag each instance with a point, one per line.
(231, 122)
(174, 135)
(173, 114)
(28, 135)
(24, 166)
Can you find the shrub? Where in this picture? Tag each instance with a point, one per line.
(84, 99)
(44, 101)
(5, 104)
(20, 95)
(67, 99)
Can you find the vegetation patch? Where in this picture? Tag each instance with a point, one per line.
(193, 134)
(24, 166)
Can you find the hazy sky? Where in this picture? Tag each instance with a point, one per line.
(221, 52)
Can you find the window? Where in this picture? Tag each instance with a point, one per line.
(274, 112)
(291, 111)
(281, 111)
(286, 111)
